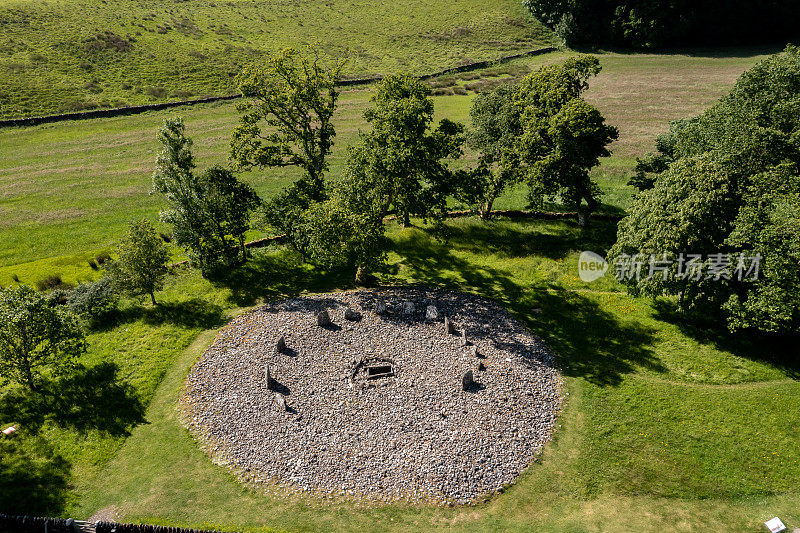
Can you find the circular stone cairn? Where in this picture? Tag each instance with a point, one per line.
(376, 409)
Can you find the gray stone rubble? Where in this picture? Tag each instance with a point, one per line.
(379, 408)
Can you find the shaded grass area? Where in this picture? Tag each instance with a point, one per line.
(679, 428)
(72, 187)
(66, 56)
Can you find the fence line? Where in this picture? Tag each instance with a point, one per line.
(39, 524)
(135, 109)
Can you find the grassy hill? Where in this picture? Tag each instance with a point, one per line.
(63, 55)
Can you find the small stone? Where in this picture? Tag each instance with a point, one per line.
(408, 308)
(380, 307)
(281, 401)
(449, 328)
(351, 314)
(468, 380)
(473, 350)
(481, 366)
(280, 346)
(268, 377)
(323, 318)
(431, 313)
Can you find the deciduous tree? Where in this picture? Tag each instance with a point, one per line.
(141, 265)
(35, 337)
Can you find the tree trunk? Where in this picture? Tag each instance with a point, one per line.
(585, 212)
(361, 275)
(406, 220)
(28, 374)
(153, 298)
(486, 210)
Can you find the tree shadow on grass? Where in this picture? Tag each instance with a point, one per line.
(591, 342)
(776, 350)
(89, 398)
(269, 276)
(34, 479)
(189, 313)
(552, 239)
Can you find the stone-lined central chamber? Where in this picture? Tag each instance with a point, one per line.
(419, 395)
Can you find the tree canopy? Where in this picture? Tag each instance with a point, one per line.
(660, 23)
(725, 182)
(35, 337)
(141, 265)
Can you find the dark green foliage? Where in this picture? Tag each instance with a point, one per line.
(94, 301)
(496, 122)
(102, 258)
(209, 212)
(406, 160)
(142, 263)
(35, 337)
(658, 23)
(563, 136)
(93, 264)
(727, 182)
(288, 122)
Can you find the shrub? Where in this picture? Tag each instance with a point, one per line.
(93, 301)
(93, 264)
(58, 296)
(102, 258)
(15, 278)
(51, 282)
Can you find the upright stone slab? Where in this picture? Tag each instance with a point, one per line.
(431, 313)
(323, 318)
(380, 307)
(408, 308)
(468, 380)
(464, 341)
(280, 345)
(449, 328)
(473, 350)
(268, 377)
(281, 401)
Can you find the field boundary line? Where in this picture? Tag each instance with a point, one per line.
(136, 109)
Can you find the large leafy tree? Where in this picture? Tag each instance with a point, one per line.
(141, 265)
(563, 136)
(496, 127)
(209, 211)
(405, 157)
(725, 182)
(288, 119)
(35, 337)
(288, 122)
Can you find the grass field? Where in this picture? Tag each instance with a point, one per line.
(73, 187)
(668, 426)
(62, 55)
(674, 425)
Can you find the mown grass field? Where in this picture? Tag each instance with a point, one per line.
(62, 55)
(73, 187)
(666, 426)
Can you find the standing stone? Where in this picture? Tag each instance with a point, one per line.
(281, 401)
(351, 314)
(449, 328)
(280, 346)
(268, 376)
(431, 313)
(474, 352)
(323, 318)
(380, 307)
(468, 380)
(464, 341)
(408, 308)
